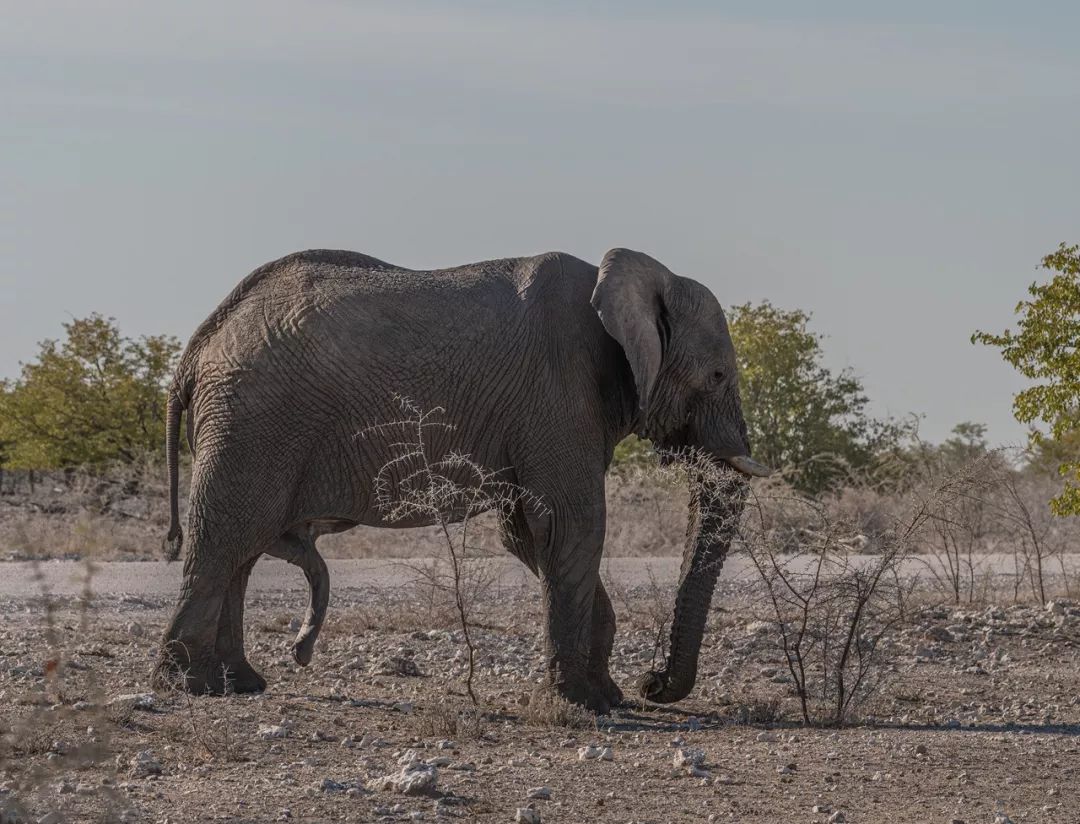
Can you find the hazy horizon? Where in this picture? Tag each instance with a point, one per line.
(896, 173)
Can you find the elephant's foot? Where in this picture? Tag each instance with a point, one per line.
(177, 670)
(584, 693)
(242, 678)
(602, 685)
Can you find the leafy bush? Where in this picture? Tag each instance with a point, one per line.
(94, 398)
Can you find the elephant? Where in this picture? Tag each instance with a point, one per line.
(543, 364)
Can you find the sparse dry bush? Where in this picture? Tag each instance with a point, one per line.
(452, 720)
(71, 738)
(449, 491)
(834, 612)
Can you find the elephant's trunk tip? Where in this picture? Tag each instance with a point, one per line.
(657, 687)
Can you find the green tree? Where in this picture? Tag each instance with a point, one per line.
(801, 416)
(92, 398)
(968, 443)
(1046, 349)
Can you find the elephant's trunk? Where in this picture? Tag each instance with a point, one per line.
(715, 506)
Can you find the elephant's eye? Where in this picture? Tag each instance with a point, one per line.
(718, 376)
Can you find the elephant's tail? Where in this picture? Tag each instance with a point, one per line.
(175, 539)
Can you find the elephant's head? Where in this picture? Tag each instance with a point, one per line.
(676, 341)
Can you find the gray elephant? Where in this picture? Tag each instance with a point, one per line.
(543, 364)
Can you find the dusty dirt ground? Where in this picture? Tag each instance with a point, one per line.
(979, 720)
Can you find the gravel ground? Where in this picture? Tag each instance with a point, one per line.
(979, 720)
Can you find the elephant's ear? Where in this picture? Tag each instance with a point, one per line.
(629, 298)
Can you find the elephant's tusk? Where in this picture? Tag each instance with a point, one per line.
(748, 466)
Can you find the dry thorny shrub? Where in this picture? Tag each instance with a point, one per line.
(70, 723)
(449, 490)
(998, 509)
(834, 611)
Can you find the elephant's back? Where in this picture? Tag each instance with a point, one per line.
(341, 317)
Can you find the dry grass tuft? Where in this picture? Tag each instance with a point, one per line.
(548, 709)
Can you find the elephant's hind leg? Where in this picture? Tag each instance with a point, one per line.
(188, 659)
(239, 674)
(298, 548)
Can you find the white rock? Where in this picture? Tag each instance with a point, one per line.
(417, 779)
(837, 818)
(607, 754)
(138, 700)
(687, 757)
(588, 753)
(410, 756)
(396, 665)
(272, 731)
(527, 815)
(539, 793)
(144, 764)
(414, 779)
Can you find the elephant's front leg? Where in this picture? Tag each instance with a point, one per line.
(569, 575)
(603, 639)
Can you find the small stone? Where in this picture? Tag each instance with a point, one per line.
(294, 625)
(837, 818)
(821, 808)
(144, 764)
(607, 754)
(767, 737)
(920, 749)
(404, 707)
(272, 731)
(539, 793)
(51, 818)
(527, 815)
(137, 700)
(396, 665)
(135, 629)
(588, 753)
(416, 779)
(686, 757)
(409, 757)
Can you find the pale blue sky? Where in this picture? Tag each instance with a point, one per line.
(898, 172)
